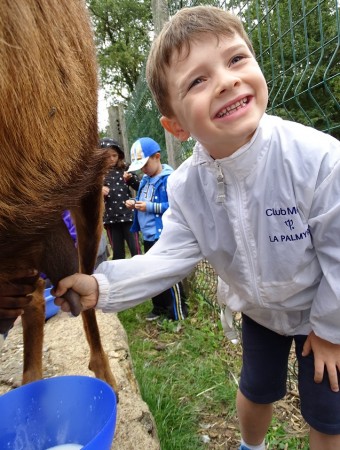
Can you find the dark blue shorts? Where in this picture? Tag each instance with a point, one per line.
(264, 376)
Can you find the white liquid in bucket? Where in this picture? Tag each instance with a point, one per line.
(66, 447)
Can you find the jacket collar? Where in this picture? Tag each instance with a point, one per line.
(245, 158)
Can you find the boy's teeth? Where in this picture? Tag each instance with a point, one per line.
(233, 107)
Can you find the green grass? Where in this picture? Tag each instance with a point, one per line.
(277, 438)
(180, 373)
(187, 372)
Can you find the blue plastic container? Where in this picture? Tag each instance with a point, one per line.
(50, 308)
(55, 411)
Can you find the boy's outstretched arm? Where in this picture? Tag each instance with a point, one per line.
(326, 354)
(85, 286)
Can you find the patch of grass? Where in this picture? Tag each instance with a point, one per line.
(187, 372)
(180, 373)
(277, 438)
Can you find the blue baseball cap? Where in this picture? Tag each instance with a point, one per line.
(141, 151)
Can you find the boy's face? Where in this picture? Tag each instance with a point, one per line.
(218, 94)
(154, 166)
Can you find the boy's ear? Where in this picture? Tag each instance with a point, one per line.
(174, 128)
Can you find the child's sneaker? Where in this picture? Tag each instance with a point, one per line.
(152, 316)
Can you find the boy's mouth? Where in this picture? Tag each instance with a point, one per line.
(233, 107)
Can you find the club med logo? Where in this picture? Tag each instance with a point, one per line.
(281, 211)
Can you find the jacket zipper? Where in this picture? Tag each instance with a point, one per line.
(220, 199)
(220, 184)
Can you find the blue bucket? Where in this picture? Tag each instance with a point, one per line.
(61, 410)
(50, 308)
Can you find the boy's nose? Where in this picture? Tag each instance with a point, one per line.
(227, 82)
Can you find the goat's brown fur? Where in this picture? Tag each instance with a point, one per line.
(49, 160)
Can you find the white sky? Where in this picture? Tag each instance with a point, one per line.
(103, 115)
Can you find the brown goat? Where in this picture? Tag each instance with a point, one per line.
(49, 160)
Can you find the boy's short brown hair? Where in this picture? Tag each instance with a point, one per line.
(177, 34)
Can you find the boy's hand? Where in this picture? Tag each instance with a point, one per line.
(141, 206)
(105, 190)
(326, 355)
(84, 285)
(15, 294)
(127, 176)
(130, 204)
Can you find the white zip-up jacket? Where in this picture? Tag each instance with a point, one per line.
(267, 219)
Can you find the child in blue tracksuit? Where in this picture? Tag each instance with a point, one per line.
(149, 205)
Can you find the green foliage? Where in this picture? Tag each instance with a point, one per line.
(179, 4)
(296, 43)
(123, 30)
(142, 116)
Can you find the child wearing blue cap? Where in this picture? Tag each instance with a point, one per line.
(149, 205)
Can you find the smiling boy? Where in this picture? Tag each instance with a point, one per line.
(219, 100)
(260, 199)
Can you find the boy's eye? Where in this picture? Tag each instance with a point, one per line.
(195, 82)
(236, 59)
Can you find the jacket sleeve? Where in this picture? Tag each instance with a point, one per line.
(157, 208)
(134, 182)
(126, 283)
(324, 224)
(160, 206)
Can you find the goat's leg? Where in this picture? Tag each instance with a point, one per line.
(33, 321)
(99, 362)
(88, 220)
(59, 260)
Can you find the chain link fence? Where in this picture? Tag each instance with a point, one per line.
(297, 48)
